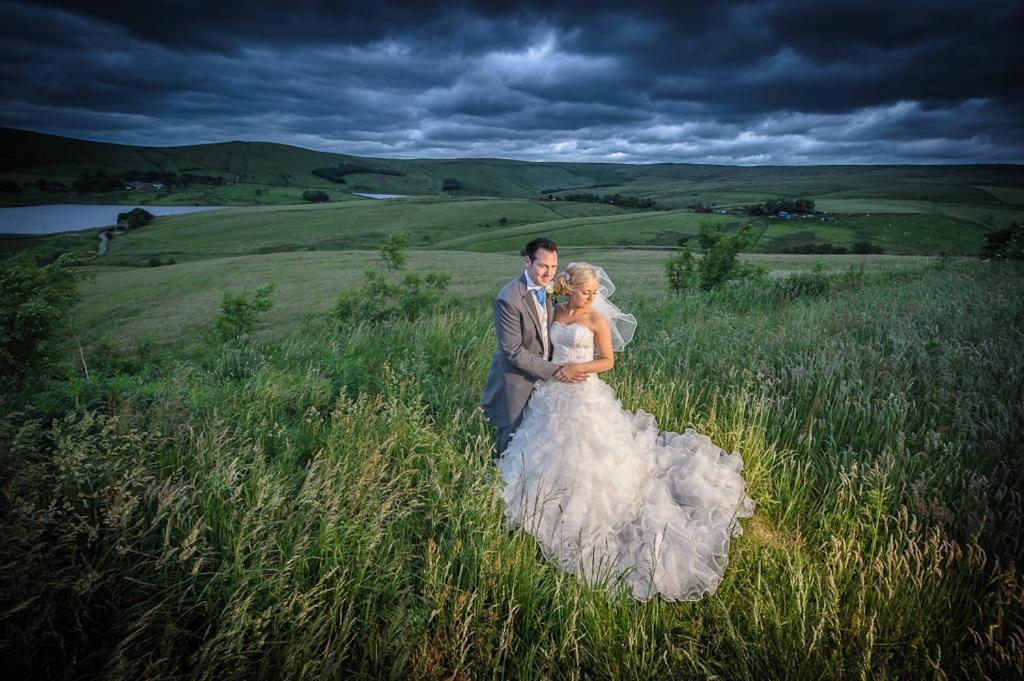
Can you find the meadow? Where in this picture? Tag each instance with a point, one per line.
(494, 225)
(316, 500)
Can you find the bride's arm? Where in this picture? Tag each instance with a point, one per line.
(603, 340)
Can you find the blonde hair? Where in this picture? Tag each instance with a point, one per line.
(575, 275)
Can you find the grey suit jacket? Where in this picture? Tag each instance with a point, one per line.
(520, 359)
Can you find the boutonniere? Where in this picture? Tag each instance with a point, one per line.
(550, 288)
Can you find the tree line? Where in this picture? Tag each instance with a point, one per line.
(781, 204)
(336, 174)
(616, 199)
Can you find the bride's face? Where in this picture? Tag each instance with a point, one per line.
(583, 297)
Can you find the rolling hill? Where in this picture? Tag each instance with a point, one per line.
(256, 173)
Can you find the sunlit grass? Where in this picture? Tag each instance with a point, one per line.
(322, 505)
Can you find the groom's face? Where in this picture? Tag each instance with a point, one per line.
(542, 266)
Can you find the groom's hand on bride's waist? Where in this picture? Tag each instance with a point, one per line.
(568, 376)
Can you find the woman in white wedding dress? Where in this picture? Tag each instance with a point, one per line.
(606, 496)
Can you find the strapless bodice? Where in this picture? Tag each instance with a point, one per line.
(572, 343)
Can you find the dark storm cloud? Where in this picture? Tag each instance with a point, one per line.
(720, 82)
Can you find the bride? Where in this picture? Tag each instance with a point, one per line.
(606, 496)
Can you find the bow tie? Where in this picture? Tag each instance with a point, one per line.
(541, 294)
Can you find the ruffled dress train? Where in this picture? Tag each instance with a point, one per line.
(609, 498)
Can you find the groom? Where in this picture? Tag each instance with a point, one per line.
(522, 318)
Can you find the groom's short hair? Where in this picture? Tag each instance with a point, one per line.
(540, 242)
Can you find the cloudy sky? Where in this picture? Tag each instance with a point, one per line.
(759, 82)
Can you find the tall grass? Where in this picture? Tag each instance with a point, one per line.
(324, 506)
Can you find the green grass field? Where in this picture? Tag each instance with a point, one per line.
(317, 501)
(172, 305)
(492, 225)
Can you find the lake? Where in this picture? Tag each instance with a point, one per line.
(72, 217)
(380, 196)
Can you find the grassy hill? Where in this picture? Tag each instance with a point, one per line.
(321, 503)
(281, 172)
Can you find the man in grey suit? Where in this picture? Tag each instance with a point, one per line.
(522, 317)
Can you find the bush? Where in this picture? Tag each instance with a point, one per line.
(9, 186)
(681, 271)
(450, 184)
(1005, 244)
(392, 254)
(315, 196)
(136, 217)
(805, 285)
(34, 306)
(378, 299)
(718, 263)
(238, 313)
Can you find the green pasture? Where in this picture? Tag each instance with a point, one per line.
(175, 305)
(988, 215)
(637, 229)
(489, 225)
(477, 225)
(356, 224)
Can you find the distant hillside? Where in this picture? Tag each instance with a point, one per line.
(260, 173)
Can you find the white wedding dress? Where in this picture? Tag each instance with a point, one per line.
(609, 498)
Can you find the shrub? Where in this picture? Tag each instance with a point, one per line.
(805, 285)
(718, 263)
(9, 186)
(315, 196)
(239, 313)
(33, 308)
(450, 184)
(681, 270)
(378, 299)
(1005, 244)
(392, 254)
(136, 217)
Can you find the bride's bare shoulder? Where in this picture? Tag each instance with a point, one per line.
(596, 322)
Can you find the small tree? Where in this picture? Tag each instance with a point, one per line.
(238, 313)
(315, 196)
(379, 299)
(718, 263)
(392, 254)
(450, 184)
(135, 218)
(34, 306)
(681, 270)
